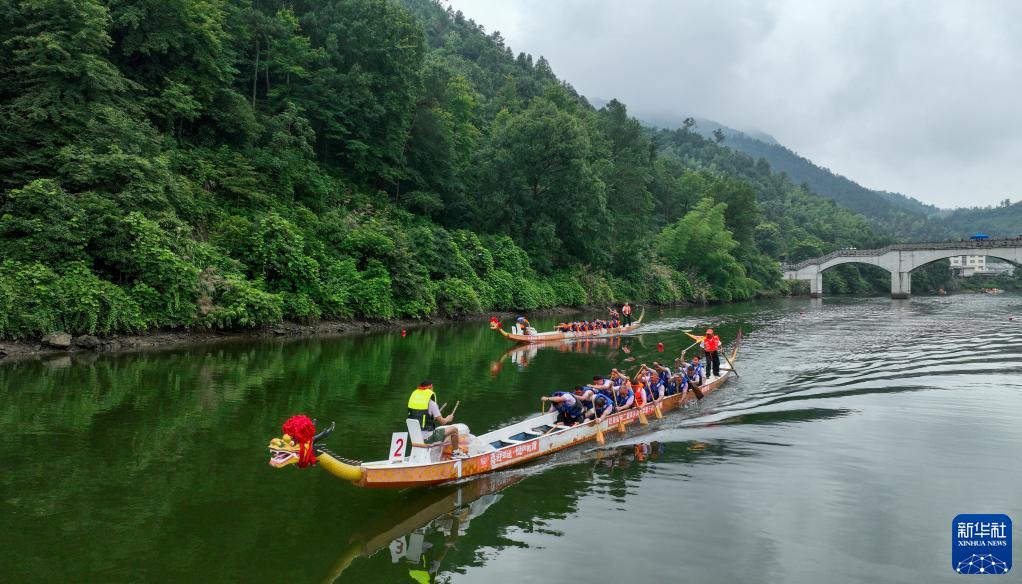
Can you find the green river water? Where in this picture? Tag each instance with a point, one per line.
(858, 429)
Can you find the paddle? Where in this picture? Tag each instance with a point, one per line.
(621, 423)
(599, 432)
(728, 359)
(690, 346)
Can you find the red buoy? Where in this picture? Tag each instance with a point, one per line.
(403, 332)
(660, 347)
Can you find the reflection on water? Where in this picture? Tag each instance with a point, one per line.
(421, 531)
(521, 355)
(857, 430)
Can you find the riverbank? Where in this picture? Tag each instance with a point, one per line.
(48, 347)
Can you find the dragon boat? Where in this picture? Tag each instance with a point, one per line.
(433, 464)
(522, 336)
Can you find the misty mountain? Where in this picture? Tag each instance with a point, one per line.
(907, 218)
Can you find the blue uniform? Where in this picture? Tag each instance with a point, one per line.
(657, 389)
(569, 411)
(674, 386)
(608, 405)
(623, 401)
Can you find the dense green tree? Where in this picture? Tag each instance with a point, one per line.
(228, 163)
(540, 184)
(362, 99)
(701, 241)
(55, 77)
(628, 178)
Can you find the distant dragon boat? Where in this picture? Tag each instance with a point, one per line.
(524, 337)
(505, 447)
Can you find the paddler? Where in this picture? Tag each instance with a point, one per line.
(676, 384)
(655, 388)
(698, 366)
(616, 378)
(569, 408)
(434, 425)
(600, 385)
(526, 327)
(624, 398)
(711, 349)
(693, 379)
(601, 408)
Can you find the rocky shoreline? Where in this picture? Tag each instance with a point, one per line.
(61, 344)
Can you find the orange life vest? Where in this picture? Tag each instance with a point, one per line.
(639, 391)
(711, 343)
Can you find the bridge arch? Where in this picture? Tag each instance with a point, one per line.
(901, 259)
(944, 255)
(839, 261)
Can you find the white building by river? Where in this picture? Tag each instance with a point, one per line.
(966, 266)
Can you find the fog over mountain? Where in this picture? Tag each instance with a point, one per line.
(915, 97)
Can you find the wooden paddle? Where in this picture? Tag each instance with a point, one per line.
(621, 423)
(728, 359)
(685, 350)
(556, 426)
(599, 432)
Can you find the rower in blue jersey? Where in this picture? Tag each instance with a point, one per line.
(588, 394)
(616, 379)
(675, 385)
(698, 366)
(623, 396)
(693, 378)
(569, 409)
(663, 372)
(655, 388)
(602, 407)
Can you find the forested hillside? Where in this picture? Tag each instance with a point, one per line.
(229, 163)
(1004, 220)
(905, 218)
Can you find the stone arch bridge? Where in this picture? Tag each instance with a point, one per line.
(900, 260)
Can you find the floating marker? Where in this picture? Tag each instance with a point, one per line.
(660, 347)
(403, 332)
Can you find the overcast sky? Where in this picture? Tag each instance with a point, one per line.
(918, 97)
